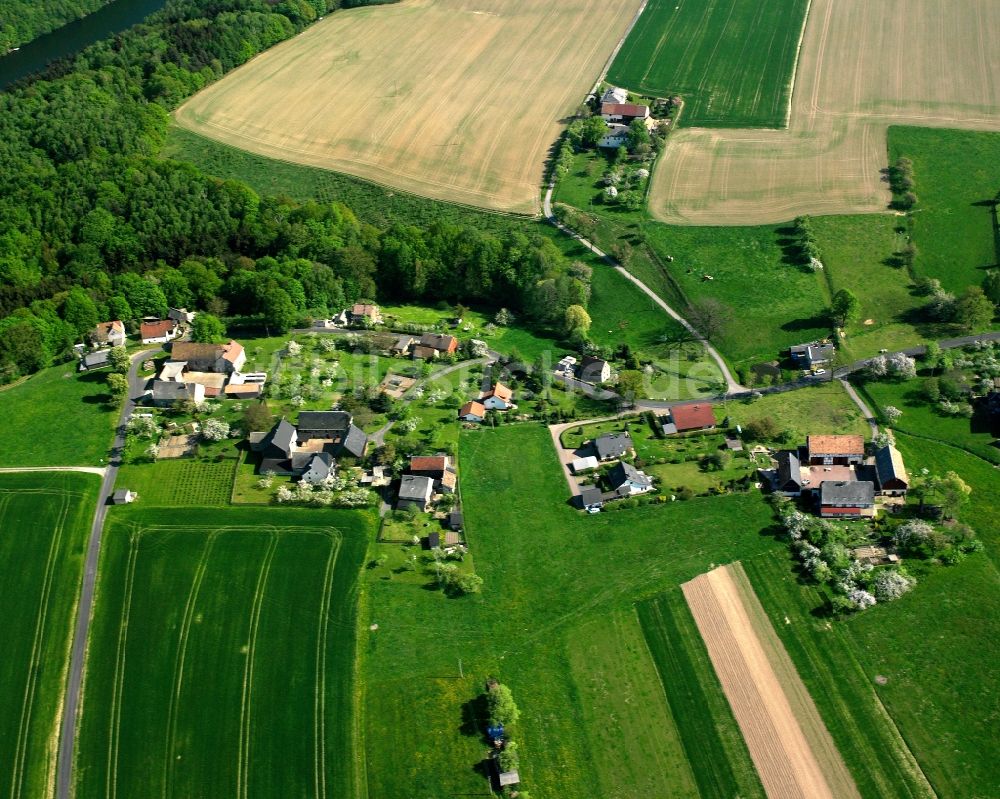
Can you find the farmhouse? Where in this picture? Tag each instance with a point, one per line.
(813, 354)
(401, 346)
(591, 497)
(289, 450)
(159, 331)
(414, 491)
(692, 417)
(830, 450)
(166, 393)
(95, 360)
(431, 345)
(438, 468)
(498, 398)
(219, 358)
(617, 136)
(846, 500)
(594, 370)
(890, 472)
(623, 112)
(362, 314)
(626, 480)
(614, 95)
(108, 334)
(181, 316)
(472, 411)
(322, 424)
(788, 478)
(613, 445)
(173, 371)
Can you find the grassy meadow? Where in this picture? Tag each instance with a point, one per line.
(732, 61)
(222, 655)
(45, 520)
(57, 417)
(954, 224)
(823, 408)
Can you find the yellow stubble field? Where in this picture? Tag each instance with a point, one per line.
(456, 100)
(863, 65)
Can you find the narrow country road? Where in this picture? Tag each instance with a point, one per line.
(71, 703)
(865, 410)
(732, 386)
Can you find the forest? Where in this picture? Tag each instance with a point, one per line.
(94, 225)
(24, 20)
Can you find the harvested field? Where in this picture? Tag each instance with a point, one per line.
(788, 742)
(451, 99)
(863, 66)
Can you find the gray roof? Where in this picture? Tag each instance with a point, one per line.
(838, 492)
(169, 390)
(318, 467)
(612, 445)
(324, 420)
(354, 442)
(590, 495)
(92, 360)
(626, 473)
(889, 465)
(822, 352)
(281, 437)
(120, 495)
(788, 469)
(455, 520)
(416, 487)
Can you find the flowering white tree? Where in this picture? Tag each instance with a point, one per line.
(303, 491)
(913, 532)
(285, 494)
(266, 480)
(408, 425)
(293, 348)
(478, 349)
(862, 599)
(328, 344)
(503, 317)
(890, 584)
(902, 365)
(878, 366)
(795, 523)
(215, 430)
(153, 450)
(143, 427)
(355, 498)
(892, 413)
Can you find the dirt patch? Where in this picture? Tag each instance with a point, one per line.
(177, 446)
(396, 386)
(864, 65)
(791, 748)
(452, 99)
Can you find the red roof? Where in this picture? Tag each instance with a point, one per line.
(692, 417)
(624, 109)
(835, 445)
(157, 329)
(501, 391)
(842, 511)
(428, 463)
(473, 407)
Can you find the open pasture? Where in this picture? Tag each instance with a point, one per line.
(450, 99)
(222, 656)
(864, 65)
(792, 749)
(731, 60)
(44, 522)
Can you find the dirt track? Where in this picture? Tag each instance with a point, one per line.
(791, 748)
(457, 100)
(864, 65)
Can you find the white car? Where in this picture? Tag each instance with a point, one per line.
(819, 372)
(593, 510)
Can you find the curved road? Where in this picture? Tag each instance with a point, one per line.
(732, 386)
(71, 702)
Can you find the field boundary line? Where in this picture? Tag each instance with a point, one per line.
(618, 47)
(243, 762)
(319, 700)
(34, 666)
(182, 637)
(111, 788)
(795, 64)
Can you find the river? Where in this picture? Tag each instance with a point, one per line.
(74, 37)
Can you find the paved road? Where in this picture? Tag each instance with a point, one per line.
(71, 704)
(732, 385)
(865, 410)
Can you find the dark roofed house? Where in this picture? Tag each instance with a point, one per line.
(95, 360)
(441, 342)
(276, 448)
(354, 442)
(626, 480)
(789, 476)
(890, 472)
(613, 445)
(594, 370)
(433, 540)
(812, 354)
(846, 499)
(166, 392)
(692, 417)
(591, 497)
(319, 466)
(323, 424)
(455, 521)
(414, 490)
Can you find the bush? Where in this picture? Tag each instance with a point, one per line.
(502, 707)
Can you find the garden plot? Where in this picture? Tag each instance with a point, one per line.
(864, 65)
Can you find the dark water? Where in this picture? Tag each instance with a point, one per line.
(73, 37)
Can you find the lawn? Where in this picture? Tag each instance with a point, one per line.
(732, 61)
(859, 254)
(550, 574)
(222, 656)
(57, 417)
(954, 225)
(921, 418)
(713, 745)
(45, 520)
(824, 408)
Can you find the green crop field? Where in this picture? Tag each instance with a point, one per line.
(184, 481)
(955, 177)
(731, 60)
(824, 408)
(56, 418)
(712, 741)
(44, 523)
(222, 656)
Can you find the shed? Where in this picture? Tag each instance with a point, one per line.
(122, 496)
(584, 464)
